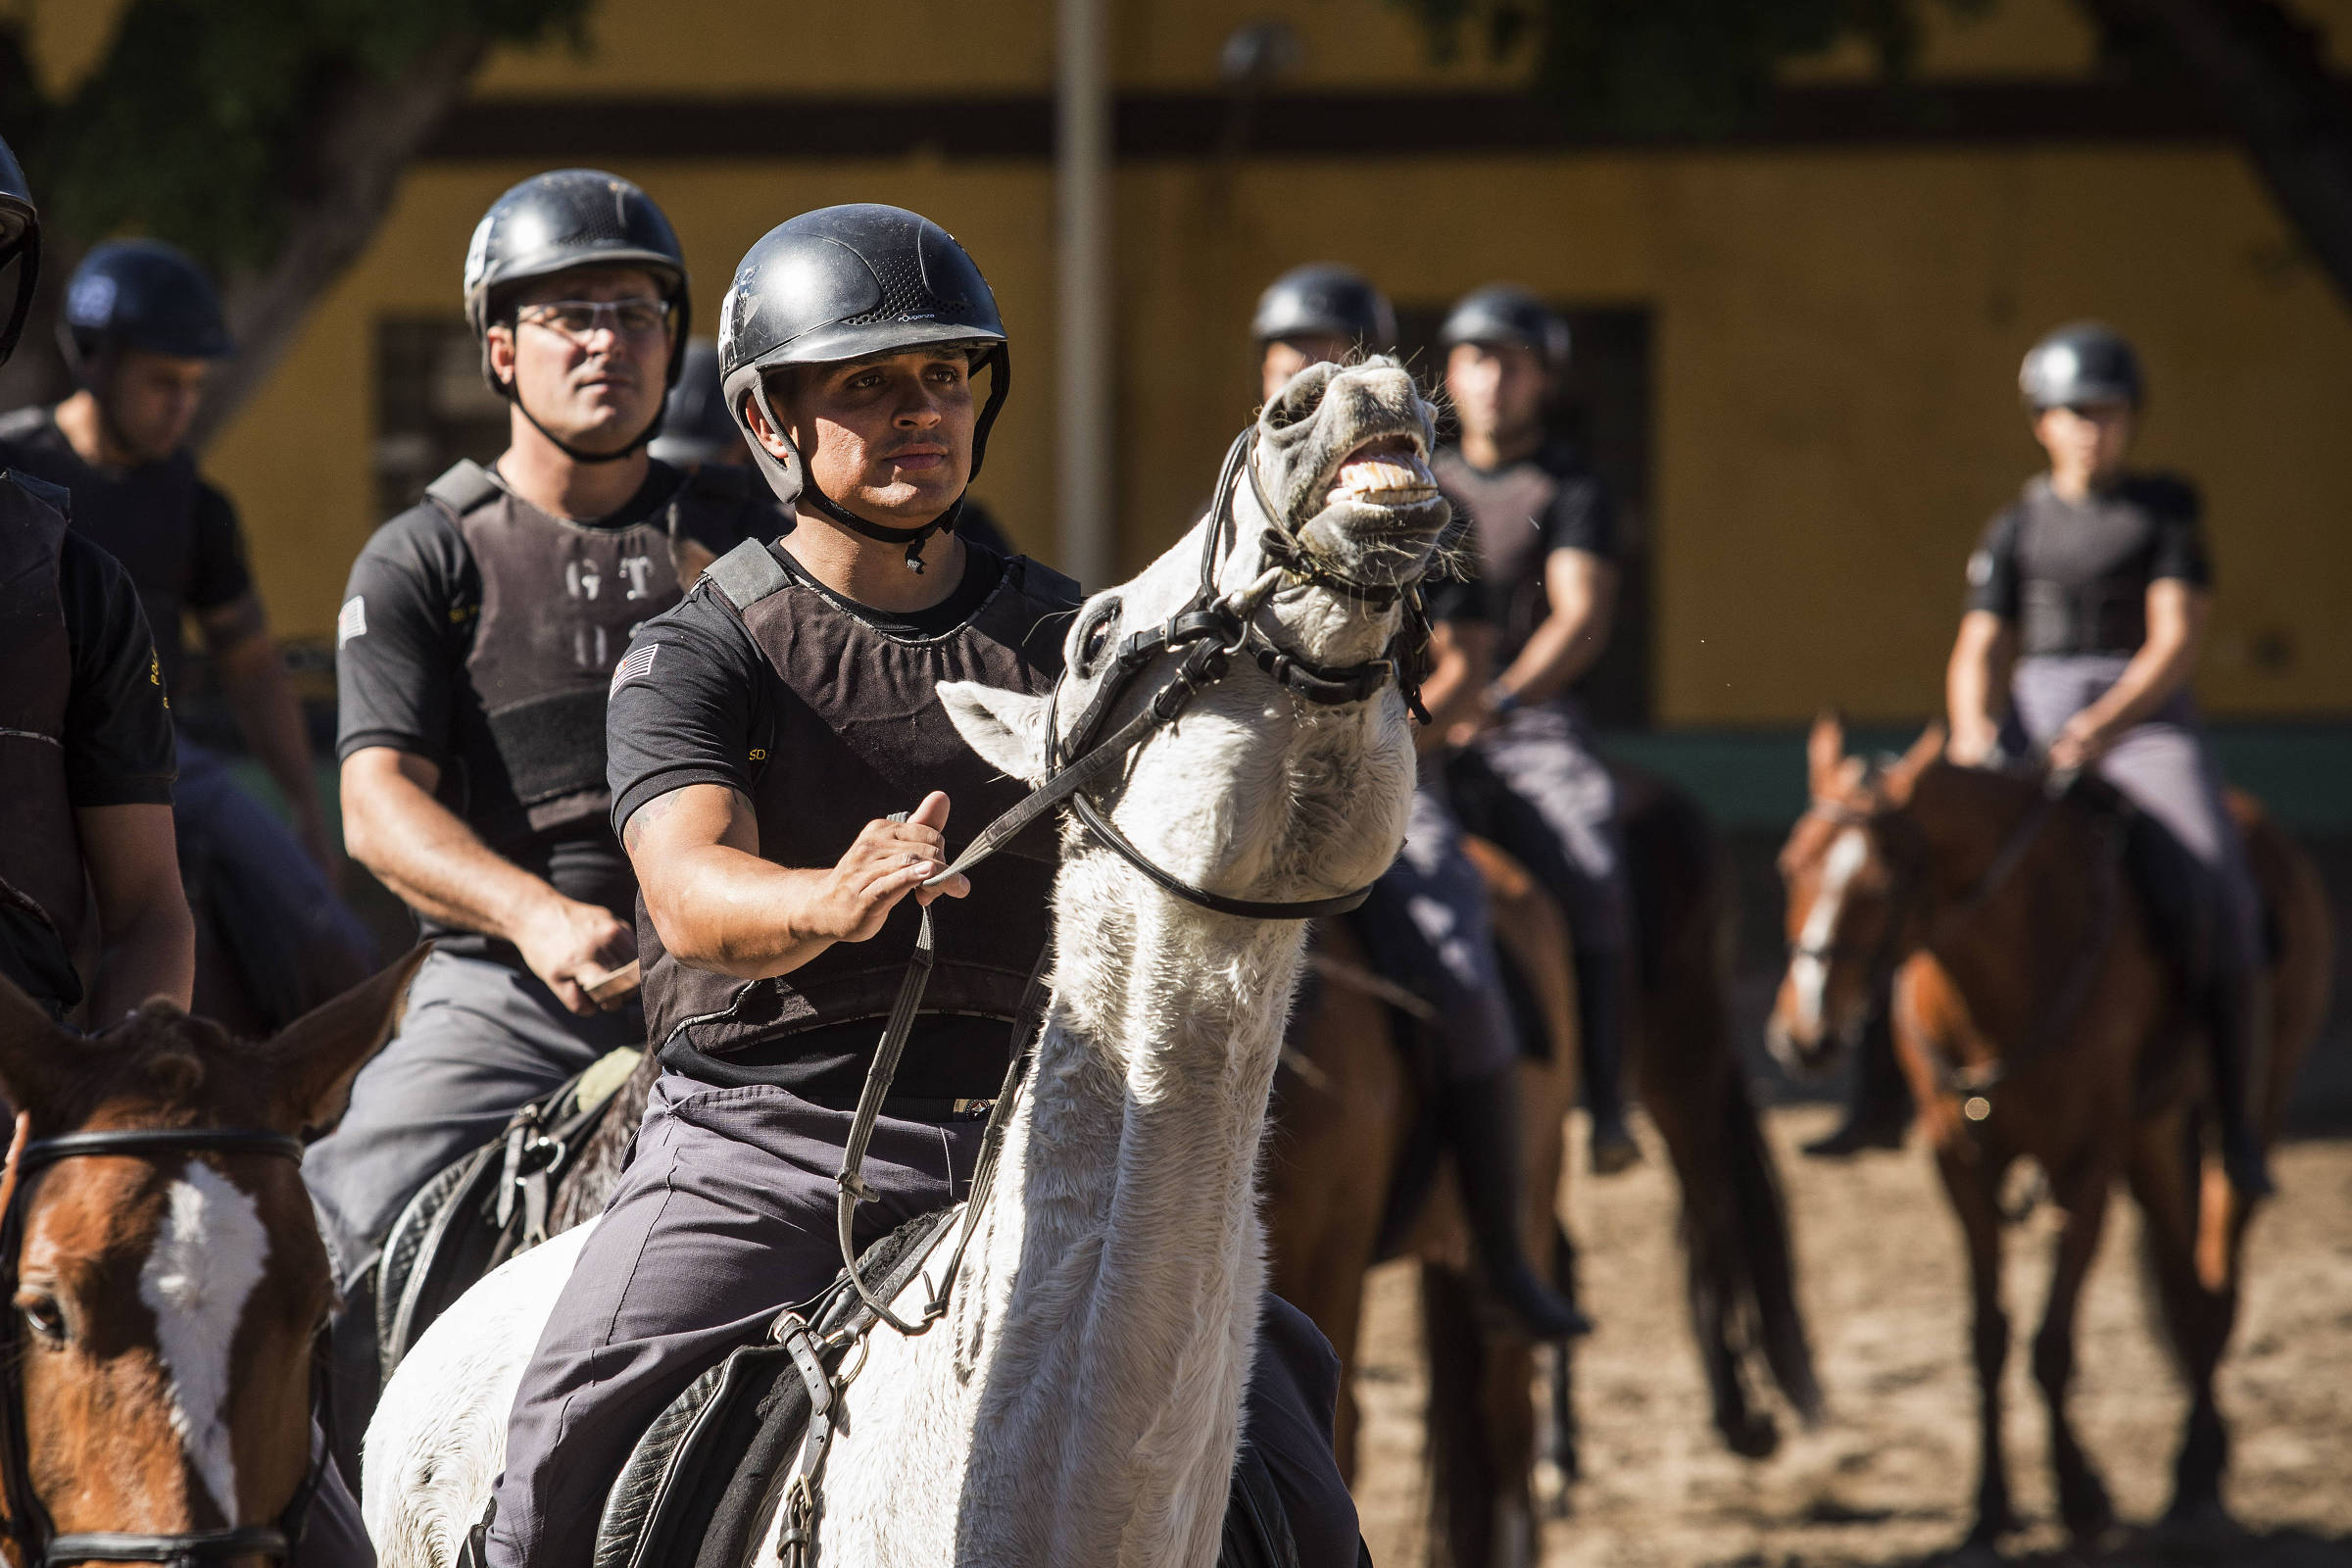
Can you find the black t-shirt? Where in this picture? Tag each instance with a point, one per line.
(698, 712)
(2076, 575)
(118, 737)
(175, 533)
(402, 682)
(1455, 590)
(1521, 514)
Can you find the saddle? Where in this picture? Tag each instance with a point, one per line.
(487, 1206)
(704, 1481)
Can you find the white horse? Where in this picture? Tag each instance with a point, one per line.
(1080, 1402)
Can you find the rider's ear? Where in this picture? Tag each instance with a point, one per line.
(1006, 728)
(1824, 749)
(34, 1053)
(315, 1059)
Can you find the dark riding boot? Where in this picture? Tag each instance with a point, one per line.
(1482, 1123)
(2235, 1011)
(1878, 1101)
(1600, 1033)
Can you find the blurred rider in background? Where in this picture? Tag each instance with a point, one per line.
(1546, 531)
(2088, 601)
(142, 331)
(1425, 921)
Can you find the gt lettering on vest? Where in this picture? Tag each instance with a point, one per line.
(857, 732)
(40, 852)
(559, 603)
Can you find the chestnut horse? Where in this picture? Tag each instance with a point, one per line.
(170, 1281)
(1345, 1115)
(2037, 1015)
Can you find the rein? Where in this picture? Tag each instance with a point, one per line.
(1204, 636)
(1975, 1085)
(28, 1526)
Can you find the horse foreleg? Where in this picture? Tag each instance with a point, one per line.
(1972, 1184)
(2081, 1194)
(2167, 1179)
(1560, 1433)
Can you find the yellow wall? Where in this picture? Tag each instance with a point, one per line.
(1836, 331)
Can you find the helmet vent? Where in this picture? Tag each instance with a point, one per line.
(904, 290)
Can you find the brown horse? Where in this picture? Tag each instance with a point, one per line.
(2037, 1015)
(168, 1294)
(1345, 1118)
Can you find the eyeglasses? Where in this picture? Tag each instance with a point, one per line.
(581, 320)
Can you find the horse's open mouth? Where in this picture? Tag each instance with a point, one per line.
(1383, 472)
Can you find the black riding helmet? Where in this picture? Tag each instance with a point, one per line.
(843, 283)
(1325, 300)
(1505, 312)
(140, 294)
(553, 222)
(19, 242)
(2083, 362)
(695, 426)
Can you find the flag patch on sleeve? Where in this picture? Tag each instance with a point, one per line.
(634, 666)
(352, 622)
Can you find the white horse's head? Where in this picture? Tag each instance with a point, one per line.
(1258, 791)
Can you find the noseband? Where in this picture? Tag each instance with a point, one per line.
(28, 1526)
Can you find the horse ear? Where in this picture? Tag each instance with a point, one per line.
(314, 1060)
(1900, 778)
(1006, 728)
(1824, 749)
(36, 1052)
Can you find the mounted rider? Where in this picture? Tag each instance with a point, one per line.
(1546, 527)
(142, 331)
(756, 730)
(478, 637)
(2088, 600)
(1427, 920)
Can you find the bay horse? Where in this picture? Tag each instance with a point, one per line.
(1344, 1122)
(169, 1284)
(2037, 1015)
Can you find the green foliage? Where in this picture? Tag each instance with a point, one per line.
(1670, 67)
(200, 123)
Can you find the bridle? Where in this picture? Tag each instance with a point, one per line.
(1909, 912)
(28, 1526)
(1204, 636)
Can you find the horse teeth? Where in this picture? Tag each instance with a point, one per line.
(1392, 482)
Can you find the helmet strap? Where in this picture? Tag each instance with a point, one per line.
(912, 538)
(514, 395)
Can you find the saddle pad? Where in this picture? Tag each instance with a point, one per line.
(703, 1484)
(449, 1235)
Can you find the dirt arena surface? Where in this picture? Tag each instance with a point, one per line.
(1889, 1477)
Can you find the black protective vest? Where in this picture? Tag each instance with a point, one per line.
(145, 517)
(40, 848)
(1504, 506)
(857, 733)
(559, 603)
(2084, 568)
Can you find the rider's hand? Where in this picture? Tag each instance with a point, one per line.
(2082, 742)
(887, 861)
(571, 946)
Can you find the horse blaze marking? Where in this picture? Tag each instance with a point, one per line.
(1847, 852)
(208, 1254)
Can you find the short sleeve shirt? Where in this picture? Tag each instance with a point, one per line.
(2074, 575)
(119, 749)
(1522, 515)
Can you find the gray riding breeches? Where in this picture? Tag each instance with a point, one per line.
(724, 1217)
(1544, 753)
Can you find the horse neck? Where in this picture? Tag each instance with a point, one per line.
(1116, 1299)
(2008, 947)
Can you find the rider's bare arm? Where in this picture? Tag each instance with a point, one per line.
(1582, 588)
(1461, 654)
(440, 867)
(718, 906)
(2177, 613)
(253, 678)
(146, 941)
(1975, 684)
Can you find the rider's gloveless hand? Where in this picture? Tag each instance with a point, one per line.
(887, 862)
(571, 946)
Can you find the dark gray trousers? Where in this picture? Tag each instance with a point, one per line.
(480, 1040)
(206, 802)
(1426, 926)
(724, 1217)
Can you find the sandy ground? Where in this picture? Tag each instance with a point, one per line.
(1889, 1476)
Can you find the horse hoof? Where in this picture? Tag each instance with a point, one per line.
(1757, 1438)
(2203, 1531)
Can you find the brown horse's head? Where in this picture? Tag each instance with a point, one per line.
(167, 1303)
(1841, 886)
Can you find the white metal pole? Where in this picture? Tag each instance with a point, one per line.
(1083, 198)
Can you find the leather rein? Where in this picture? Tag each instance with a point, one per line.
(1974, 1085)
(28, 1526)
